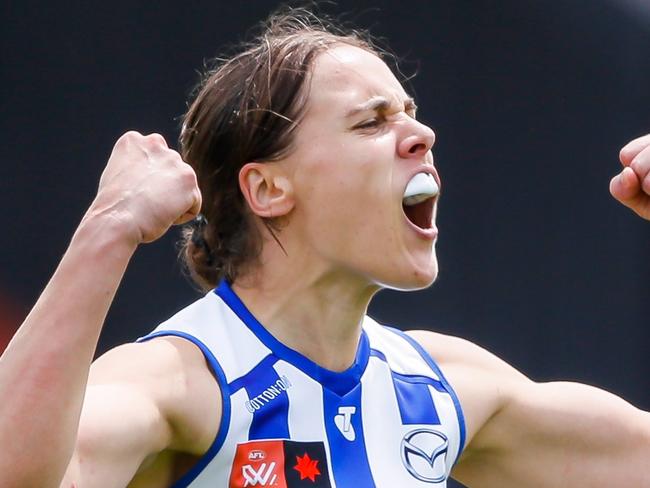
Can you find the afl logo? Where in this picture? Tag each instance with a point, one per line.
(256, 455)
(424, 454)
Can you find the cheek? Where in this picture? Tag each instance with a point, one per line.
(321, 183)
(347, 188)
(333, 202)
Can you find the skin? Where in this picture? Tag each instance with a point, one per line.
(379, 154)
(137, 427)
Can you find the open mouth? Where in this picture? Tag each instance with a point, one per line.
(420, 214)
(419, 198)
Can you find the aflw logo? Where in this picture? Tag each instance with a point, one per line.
(268, 394)
(280, 464)
(263, 475)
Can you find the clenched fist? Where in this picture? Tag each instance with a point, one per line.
(631, 186)
(147, 186)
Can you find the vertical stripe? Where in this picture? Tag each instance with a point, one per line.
(267, 401)
(344, 427)
(414, 400)
(305, 405)
(434, 367)
(383, 428)
(305, 409)
(449, 420)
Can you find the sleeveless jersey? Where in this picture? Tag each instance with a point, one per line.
(390, 420)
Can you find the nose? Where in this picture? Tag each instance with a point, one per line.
(419, 140)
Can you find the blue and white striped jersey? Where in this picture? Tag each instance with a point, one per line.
(390, 420)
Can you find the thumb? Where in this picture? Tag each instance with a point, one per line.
(625, 186)
(193, 211)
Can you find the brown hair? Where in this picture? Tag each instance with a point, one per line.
(246, 109)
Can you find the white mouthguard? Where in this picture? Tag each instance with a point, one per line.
(421, 187)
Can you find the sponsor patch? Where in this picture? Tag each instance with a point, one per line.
(280, 464)
(424, 453)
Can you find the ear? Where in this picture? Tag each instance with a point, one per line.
(267, 189)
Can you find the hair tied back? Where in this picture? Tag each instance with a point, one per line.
(198, 225)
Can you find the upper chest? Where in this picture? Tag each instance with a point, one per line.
(389, 429)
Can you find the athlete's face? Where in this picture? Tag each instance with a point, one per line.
(357, 148)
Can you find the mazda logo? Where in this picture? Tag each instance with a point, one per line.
(424, 453)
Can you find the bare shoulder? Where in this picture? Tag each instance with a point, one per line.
(146, 361)
(480, 378)
(453, 351)
(174, 374)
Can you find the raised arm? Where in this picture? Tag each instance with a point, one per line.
(543, 435)
(43, 372)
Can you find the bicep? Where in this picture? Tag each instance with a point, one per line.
(120, 427)
(559, 434)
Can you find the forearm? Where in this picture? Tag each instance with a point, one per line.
(561, 434)
(45, 367)
(144, 189)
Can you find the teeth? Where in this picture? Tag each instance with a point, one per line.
(421, 187)
(415, 199)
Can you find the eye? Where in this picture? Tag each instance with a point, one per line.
(371, 123)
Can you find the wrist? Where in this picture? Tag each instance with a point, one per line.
(109, 227)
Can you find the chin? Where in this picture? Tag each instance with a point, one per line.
(412, 278)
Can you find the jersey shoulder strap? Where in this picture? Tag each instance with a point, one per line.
(408, 359)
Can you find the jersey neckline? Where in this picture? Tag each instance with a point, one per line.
(340, 383)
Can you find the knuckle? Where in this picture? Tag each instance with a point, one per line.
(637, 166)
(624, 154)
(188, 175)
(128, 137)
(176, 165)
(133, 135)
(176, 157)
(156, 141)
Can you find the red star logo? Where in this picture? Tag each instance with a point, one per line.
(307, 467)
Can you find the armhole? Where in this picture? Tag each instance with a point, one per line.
(434, 366)
(224, 423)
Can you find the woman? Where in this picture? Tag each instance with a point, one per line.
(316, 188)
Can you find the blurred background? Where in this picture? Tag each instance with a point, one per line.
(530, 100)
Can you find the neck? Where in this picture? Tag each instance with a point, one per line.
(317, 312)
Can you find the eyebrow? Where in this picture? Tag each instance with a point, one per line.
(379, 104)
